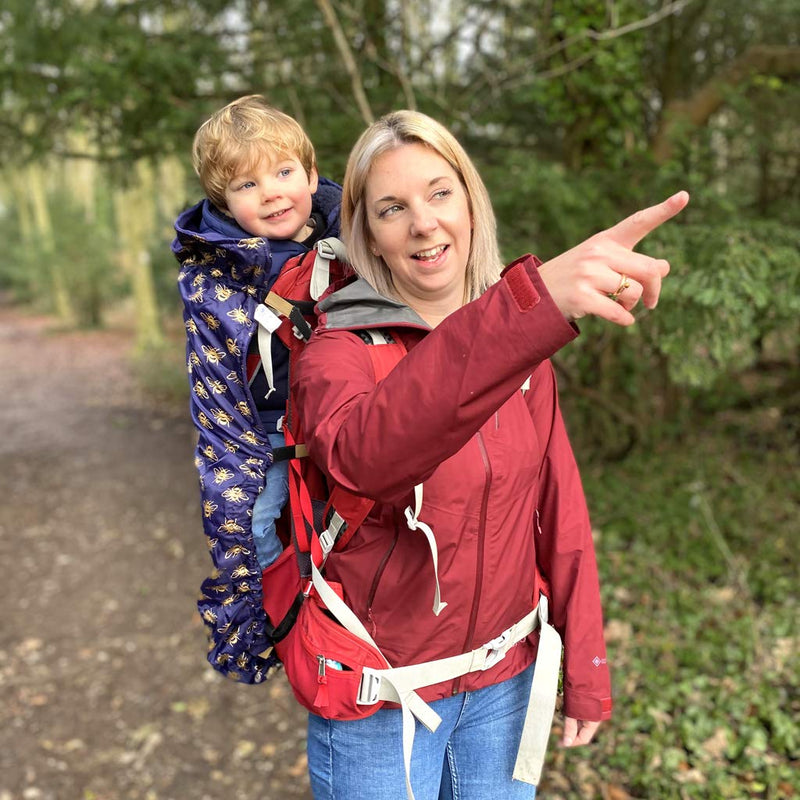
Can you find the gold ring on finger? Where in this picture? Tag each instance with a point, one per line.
(624, 283)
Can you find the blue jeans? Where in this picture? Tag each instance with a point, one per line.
(470, 756)
(268, 507)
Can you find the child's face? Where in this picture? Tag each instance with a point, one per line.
(272, 199)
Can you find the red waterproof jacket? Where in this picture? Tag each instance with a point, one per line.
(501, 488)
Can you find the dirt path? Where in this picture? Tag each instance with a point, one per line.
(106, 690)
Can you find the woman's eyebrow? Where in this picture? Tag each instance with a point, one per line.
(431, 182)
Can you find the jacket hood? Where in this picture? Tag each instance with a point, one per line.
(358, 306)
(241, 259)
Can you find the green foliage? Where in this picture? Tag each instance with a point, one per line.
(698, 572)
(731, 287)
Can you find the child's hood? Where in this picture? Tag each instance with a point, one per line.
(230, 252)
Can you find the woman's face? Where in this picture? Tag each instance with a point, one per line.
(420, 224)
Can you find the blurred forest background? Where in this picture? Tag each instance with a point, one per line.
(687, 426)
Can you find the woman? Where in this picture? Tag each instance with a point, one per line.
(500, 489)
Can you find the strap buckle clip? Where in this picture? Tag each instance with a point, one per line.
(369, 688)
(496, 649)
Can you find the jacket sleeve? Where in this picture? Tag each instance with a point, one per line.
(231, 458)
(566, 557)
(380, 441)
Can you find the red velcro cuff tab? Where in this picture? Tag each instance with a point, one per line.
(606, 706)
(522, 289)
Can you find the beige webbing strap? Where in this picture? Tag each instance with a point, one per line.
(542, 703)
(399, 684)
(268, 323)
(327, 251)
(415, 524)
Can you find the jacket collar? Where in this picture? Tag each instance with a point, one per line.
(357, 306)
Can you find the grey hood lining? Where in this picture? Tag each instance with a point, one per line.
(358, 305)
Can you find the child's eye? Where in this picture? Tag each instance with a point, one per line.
(285, 172)
(245, 185)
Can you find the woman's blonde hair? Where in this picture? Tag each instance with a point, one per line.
(395, 130)
(237, 137)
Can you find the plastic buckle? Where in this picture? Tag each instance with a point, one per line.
(326, 541)
(496, 650)
(369, 688)
(325, 250)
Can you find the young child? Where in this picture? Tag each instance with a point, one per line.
(265, 204)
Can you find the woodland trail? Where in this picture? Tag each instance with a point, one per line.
(107, 694)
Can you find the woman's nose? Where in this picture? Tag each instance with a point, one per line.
(423, 222)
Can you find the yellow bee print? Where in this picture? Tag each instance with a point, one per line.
(222, 293)
(233, 348)
(236, 495)
(230, 600)
(212, 543)
(198, 280)
(223, 658)
(251, 290)
(200, 390)
(233, 378)
(241, 572)
(212, 354)
(210, 454)
(191, 326)
(182, 274)
(250, 472)
(209, 507)
(218, 387)
(242, 661)
(204, 421)
(197, 297)
(243, 407)
(250, 438)
(231, 447)
(237, 550)
(209, 616)
(222, 475)
(210, 320)
(233, 638)
(240, 315)
(222, 417)
(250, 244)
(221, 588)
(230, 526)
(243, 587)
(198, 462)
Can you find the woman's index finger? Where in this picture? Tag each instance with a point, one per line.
(631, 230)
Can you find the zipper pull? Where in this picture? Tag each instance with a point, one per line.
(321, 699)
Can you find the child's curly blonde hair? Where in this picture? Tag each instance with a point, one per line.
(238, 136)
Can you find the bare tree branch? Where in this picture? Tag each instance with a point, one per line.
(780, 60)
(349, 61)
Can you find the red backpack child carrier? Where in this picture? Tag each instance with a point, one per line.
(333, 665)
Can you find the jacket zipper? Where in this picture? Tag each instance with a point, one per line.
(379, 573)
(476, 600)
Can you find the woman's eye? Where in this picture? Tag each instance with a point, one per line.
(441, 194)
(388, 211)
